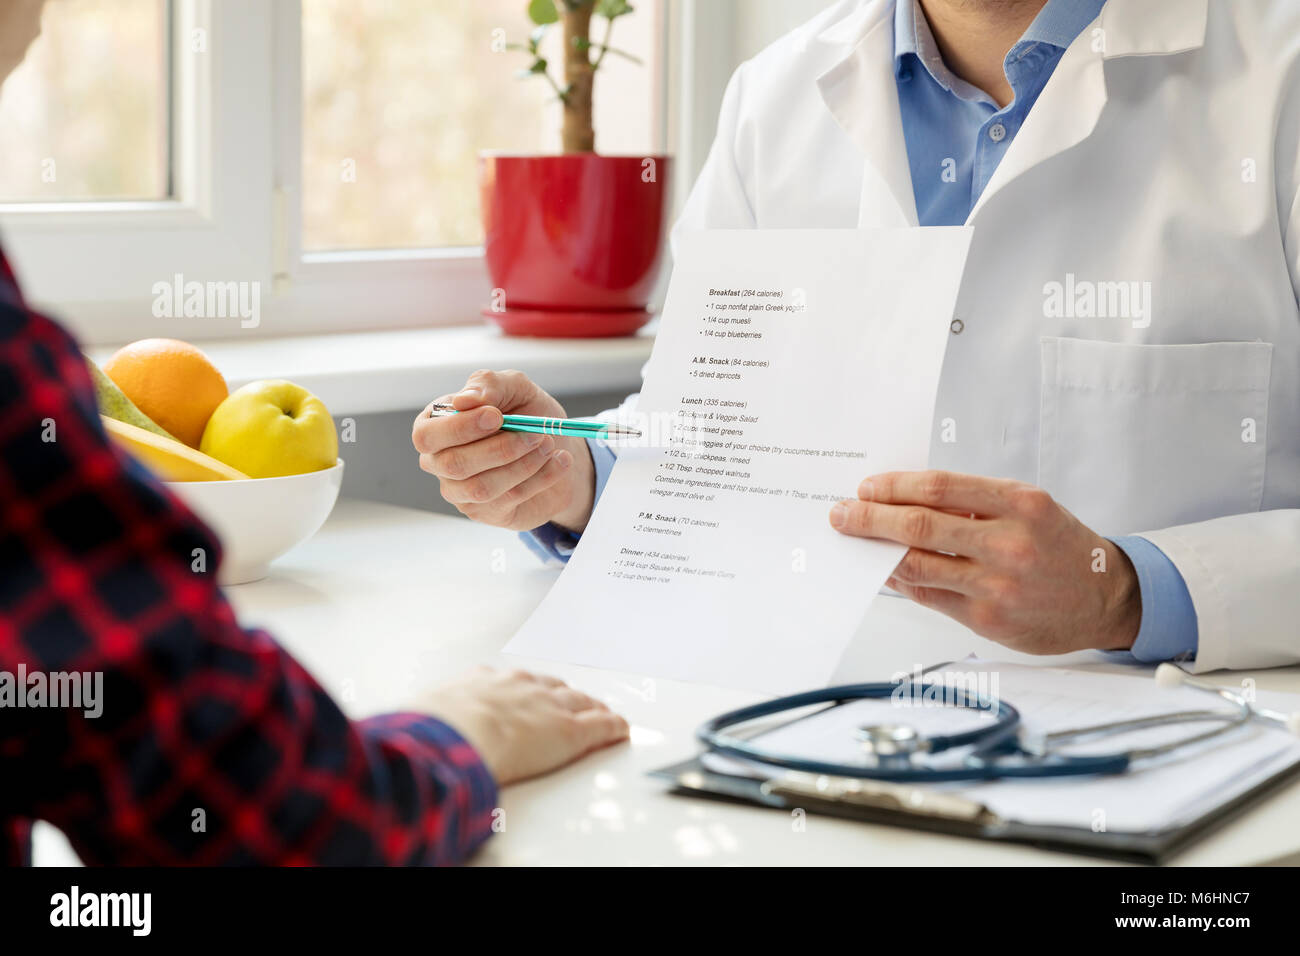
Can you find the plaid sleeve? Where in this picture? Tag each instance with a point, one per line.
(212, 744)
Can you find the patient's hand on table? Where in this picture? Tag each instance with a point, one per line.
(509, 480)
(1002, 558)
(523, 724)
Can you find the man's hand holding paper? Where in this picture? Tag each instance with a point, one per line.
(1002, 558)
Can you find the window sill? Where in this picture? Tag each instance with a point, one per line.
(402, 370)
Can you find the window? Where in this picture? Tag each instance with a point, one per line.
(323, 150)
(399, 97)
(85, 116)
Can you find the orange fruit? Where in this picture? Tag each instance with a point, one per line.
(172, 382)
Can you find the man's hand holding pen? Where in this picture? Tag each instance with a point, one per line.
(506, 479)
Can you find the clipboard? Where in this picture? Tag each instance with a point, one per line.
(922, 807)
(871, 802)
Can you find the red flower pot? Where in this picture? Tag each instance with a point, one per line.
(574, 243)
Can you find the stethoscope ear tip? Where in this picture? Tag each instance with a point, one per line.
(1169, 675)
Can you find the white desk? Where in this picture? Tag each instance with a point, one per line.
(384, 603)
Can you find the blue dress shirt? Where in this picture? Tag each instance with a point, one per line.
(956, 135)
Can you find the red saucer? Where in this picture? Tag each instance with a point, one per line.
(558, 324)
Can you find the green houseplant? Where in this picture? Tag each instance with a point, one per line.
(583, 58)
(574, 241)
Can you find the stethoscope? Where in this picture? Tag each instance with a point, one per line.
(997, 749)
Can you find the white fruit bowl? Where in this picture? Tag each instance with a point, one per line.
(259, 519)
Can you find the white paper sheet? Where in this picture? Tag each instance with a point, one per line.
(799, 362)
(1150, 797)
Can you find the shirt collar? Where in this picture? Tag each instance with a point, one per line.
(1057, 24)
(912, 33)
(912, 36)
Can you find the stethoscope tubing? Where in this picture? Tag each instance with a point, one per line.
(983, 764)
(1007, 717)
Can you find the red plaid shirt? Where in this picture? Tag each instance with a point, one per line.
(198, 714)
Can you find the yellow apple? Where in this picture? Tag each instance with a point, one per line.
(271, 428)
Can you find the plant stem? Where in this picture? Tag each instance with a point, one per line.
(578, 134)
(604, 47)
(560, 94)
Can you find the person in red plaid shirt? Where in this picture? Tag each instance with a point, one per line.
(198, 713)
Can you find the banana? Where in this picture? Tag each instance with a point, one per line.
(167, 458)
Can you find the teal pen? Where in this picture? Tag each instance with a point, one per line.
(560, 427)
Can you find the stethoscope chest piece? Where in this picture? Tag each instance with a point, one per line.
(889, 741)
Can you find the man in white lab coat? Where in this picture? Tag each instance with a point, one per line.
(1117, 437)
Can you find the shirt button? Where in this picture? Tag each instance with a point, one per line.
(957, 326)
(997, 132)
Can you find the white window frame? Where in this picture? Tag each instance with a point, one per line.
(236, 213)
(96, 262)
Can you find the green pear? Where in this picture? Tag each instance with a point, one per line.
(112, 402)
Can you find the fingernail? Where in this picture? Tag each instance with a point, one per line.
(533, 441)
(472, 392)
(839, 515)
(563, 459)
(547, 445)
(489, 420)
(866, 490)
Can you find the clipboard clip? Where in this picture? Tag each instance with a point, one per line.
(915, 801)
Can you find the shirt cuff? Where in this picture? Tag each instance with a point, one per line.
(554, 544)
(466, 808)
(1168, 629)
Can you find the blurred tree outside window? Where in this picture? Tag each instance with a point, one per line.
(400, 95)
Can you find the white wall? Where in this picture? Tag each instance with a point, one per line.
(759, 22)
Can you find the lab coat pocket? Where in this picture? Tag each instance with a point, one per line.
(1141, 437)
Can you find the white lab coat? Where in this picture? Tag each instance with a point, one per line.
(1165, 150)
